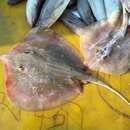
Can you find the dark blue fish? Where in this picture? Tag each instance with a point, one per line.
(72, 19)
(85, 11)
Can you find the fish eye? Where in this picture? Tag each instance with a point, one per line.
(22, 68)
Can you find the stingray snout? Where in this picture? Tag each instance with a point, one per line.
(4, 58)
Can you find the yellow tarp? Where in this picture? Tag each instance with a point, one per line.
(87, 112)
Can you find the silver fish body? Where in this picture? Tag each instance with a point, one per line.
(33, 8)
(112, 7)
(44, 13)
(51, 11)
(98, 9)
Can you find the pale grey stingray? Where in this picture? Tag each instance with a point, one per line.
(105, 44)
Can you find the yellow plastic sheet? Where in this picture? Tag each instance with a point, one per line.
(87, 112)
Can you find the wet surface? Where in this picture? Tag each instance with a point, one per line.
(88, 111)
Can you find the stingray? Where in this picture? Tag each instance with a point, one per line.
(45, 71)
(105, 44)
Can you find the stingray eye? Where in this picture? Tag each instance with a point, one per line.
(28, 52)
(22, 68)
(97, 50)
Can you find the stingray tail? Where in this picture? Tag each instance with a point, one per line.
(94, 80)
(120, 112)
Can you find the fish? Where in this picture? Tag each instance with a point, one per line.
(71, 18)
(117, 34)
(13, 2)
(45, 71)
(33, 9)
(51, 11)
(44, 12)
(85, 11)
(112, 7)
(98, 9)
(96, 36)
(72, 3)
